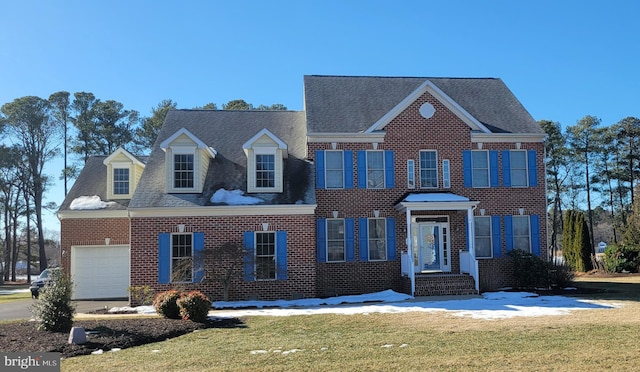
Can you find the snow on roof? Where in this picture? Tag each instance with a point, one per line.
(234, 197)
(89, 203)
(435, 197)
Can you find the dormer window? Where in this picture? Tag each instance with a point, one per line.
(123, 172)
(265, 162)
(186, 162)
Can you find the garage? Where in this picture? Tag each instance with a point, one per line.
(100, 272)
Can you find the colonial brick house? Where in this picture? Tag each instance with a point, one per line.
(420, 185)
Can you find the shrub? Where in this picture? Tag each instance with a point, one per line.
(619, 258)
(166, 304)
(529, 270)
(141, 295)
(53, 309)
(562, 275)
(194, 306)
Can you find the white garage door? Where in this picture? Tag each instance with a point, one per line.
(100, 271)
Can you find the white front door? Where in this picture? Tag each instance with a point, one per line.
(431, 247)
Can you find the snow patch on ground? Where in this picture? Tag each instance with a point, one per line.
(234, 197)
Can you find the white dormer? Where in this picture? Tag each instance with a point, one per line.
(123, 173)
(265, 154)
(186, 162)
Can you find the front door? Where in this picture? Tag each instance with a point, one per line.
(431, 247)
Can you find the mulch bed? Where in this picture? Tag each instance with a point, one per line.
(104, 334)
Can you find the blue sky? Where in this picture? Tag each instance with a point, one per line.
(562, 59)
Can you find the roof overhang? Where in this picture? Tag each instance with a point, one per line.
(377, 137)
(89, 214)
(225, 210)
(435, 202)
(507, 137)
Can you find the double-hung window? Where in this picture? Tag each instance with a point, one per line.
(519, 176)
(121, 181)
(521, 233)
(265, 255)
(265, 171)
(377, 230)
(480, 168)
(375, 169)
(335, 240)
(428, 169)
(334, 168)
(183, 167)
(482, 232)
(181, 257)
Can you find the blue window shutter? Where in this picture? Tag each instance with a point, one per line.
(281, 255)
(363, 239)
(320, 184)
(249, 245)
(164, 258)
(495, 237)
(494, 171)
(506, 168)
(533, 168)
(391, 239)
(389, 168)
(534, 221)
(321, 231)
(466, 168)
(362, 169)
(348, 169)
(508, 233)
(198, 259)
(350, 231)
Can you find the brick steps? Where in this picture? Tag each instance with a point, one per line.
(444, 285)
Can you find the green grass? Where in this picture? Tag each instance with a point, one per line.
(14, 297)
(584, 340)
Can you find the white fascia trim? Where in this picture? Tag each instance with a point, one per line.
(428, 86)
(508, 137)
(199, 144)
(377, 137)
(124, 152)
(436, 206)
(225, 210)
(89, 214)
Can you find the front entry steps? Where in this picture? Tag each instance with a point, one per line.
(444, 285)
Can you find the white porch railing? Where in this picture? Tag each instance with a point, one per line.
(464, 262)
(469, 265)
(405, 264)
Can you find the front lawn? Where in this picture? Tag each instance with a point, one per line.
(583, 340)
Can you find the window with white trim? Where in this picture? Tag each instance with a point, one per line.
(265, 255)
(375, 169)
(377, 239)
(183, 171)
(335, 240)
(265, 171)
(334, 169)
(181, 257)
(411, 174)
(428, 169)
(480, 168)
(446, 174)
(120, 181)
(482, 232)
(519, 176)
(521, 233)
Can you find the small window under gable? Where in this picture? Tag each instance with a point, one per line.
(123, 172)
(186, 162)
(265, 162)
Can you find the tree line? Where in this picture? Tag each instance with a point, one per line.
(592, 169)
(34, 131)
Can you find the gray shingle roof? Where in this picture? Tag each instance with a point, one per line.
(92, 180)
(352, 104)
(226, 131)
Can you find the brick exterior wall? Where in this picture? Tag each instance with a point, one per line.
(90, 231)
(406, 135)
(300, 229)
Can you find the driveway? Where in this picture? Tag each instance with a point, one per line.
(20, 309)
